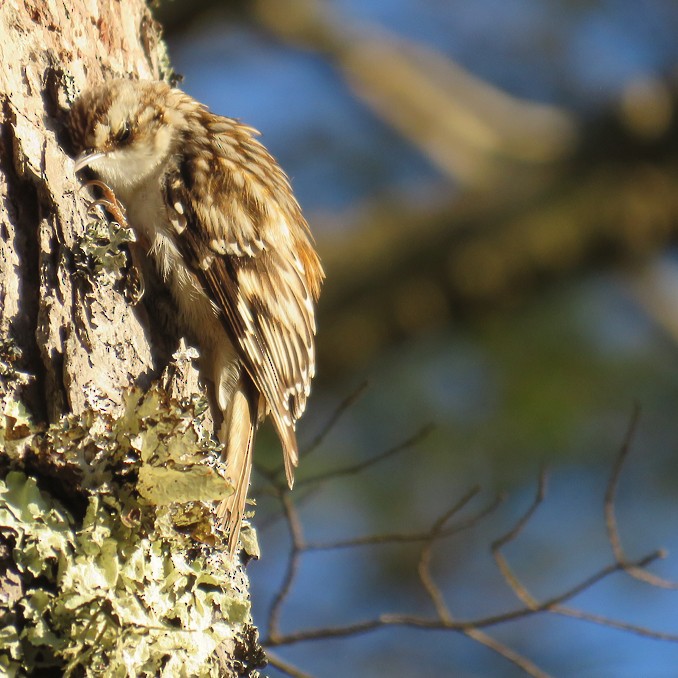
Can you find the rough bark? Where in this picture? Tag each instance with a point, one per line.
(49, 52)
(76, 362)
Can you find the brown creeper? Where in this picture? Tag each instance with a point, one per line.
(216, 215)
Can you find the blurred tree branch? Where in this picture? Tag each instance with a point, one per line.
(401, 268)
(466, 126)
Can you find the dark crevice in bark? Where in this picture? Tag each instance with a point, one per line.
(25, 211)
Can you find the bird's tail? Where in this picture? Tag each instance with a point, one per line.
(237, 433)
(288, 439)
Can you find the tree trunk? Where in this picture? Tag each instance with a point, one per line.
(109, 562)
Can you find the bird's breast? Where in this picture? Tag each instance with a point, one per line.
(147, 215)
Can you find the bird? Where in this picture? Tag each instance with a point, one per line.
(216, 215)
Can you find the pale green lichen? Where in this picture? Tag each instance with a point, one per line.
(68, 87)
(16, 429)
(141, 585)
(165, 69)
(99, 252)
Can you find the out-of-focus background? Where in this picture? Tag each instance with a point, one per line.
(493, 186)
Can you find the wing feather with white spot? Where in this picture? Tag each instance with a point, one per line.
(260, 270)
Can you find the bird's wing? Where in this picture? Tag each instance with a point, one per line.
(262, 274)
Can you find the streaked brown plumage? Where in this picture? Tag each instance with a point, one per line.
(217, 216)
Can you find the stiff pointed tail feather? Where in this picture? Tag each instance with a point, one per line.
(241, 416)
(237, 433)
(288, 439)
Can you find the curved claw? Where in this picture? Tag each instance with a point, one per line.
(108, 201)
(101, 202)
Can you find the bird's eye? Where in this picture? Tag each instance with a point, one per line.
(124, 133)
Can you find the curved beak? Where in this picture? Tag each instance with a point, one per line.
(86, 158)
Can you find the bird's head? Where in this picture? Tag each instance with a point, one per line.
(124, 130)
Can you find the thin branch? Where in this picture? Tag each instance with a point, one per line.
(506, 652)
(458, 625)
(358, 468)
(296, 549)
(341, 409)
(330, 632)
(610, 513)
(285, 667)
(615, 624)
(301, 498)
(424, 565)
(277, 486)
(507, 573)
(518, 527)
(599, 576)
(613, 484)
(408, 537)
(273, 475)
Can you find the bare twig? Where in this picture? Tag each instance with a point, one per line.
(613, 484)
(300, 499)
(518, 527)
(505, 569)
(341, 409)
(424, 565)
(610, 512)
(409, 537)
(414, 621)
(296, 549)
(275, 475)
(412, 441)
(615, 624)
(285, 667)
(530, 668)
(603, 573)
